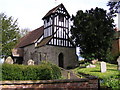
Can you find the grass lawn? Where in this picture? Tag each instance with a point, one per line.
(110, 74)
(111, 71)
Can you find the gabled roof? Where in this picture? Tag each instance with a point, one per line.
(30, 38)
(54, 10)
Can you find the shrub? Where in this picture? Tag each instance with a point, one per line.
(11, 72)
(112, 83)
(44, 71)
(56, 72)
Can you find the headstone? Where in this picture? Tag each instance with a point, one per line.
(103, 67)
(94, 61)
(9, 60)
(118, 60)
(30, 62)
(90, 66)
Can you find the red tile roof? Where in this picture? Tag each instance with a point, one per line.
(31, 37)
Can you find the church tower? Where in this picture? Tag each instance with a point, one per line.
(56, 24)
(60, 49)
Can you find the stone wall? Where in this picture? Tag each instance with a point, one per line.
(51, 84)
(51, 53)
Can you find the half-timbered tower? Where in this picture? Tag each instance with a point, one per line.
(51, 42)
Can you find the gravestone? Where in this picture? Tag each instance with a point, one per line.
(90, 66)
(118, 60)
(94, 61)
(103, 67)
(9, 60)
(30, 62)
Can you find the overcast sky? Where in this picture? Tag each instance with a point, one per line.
(30, 12)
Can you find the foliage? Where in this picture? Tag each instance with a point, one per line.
(93, 32)
(112, 83)
(24, 31)
(10, 34)
(110, 77)
(55, 69)
(0, 35)
(33, 72)
(112, 58)
(113, 7)
(82, 62)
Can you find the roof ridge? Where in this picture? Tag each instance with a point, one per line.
(52, 10)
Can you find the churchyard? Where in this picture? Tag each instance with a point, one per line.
(109, 79)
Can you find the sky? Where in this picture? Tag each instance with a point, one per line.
(30, 12)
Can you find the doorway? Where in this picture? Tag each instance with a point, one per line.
(61, 60)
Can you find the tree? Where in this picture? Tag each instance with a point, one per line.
(114, 5)
(24, 31)
(93, 31)
(10, 34)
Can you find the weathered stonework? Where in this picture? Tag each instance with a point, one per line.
(51, 53)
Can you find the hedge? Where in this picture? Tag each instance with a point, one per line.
(44, 71)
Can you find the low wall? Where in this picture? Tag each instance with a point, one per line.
(91, 83)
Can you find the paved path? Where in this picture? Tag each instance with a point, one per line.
(69, 74)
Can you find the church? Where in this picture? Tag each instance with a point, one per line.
(50, 42)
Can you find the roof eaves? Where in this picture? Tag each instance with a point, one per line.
(51, 11)
(44, 41)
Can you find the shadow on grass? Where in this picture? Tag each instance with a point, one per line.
(96, 71)
(112, 69)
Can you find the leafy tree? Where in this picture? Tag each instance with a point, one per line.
(0, 34)
(93, 31)
(114, 5)
(10, 34)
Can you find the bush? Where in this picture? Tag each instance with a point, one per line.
(56, 72)
(112, 83)
(11, 72)
(44, 71)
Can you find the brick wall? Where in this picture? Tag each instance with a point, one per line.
(51, 84)
(115, 47)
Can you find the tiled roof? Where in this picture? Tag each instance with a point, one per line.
(30, 38)
(54, 10)
(44, 41)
